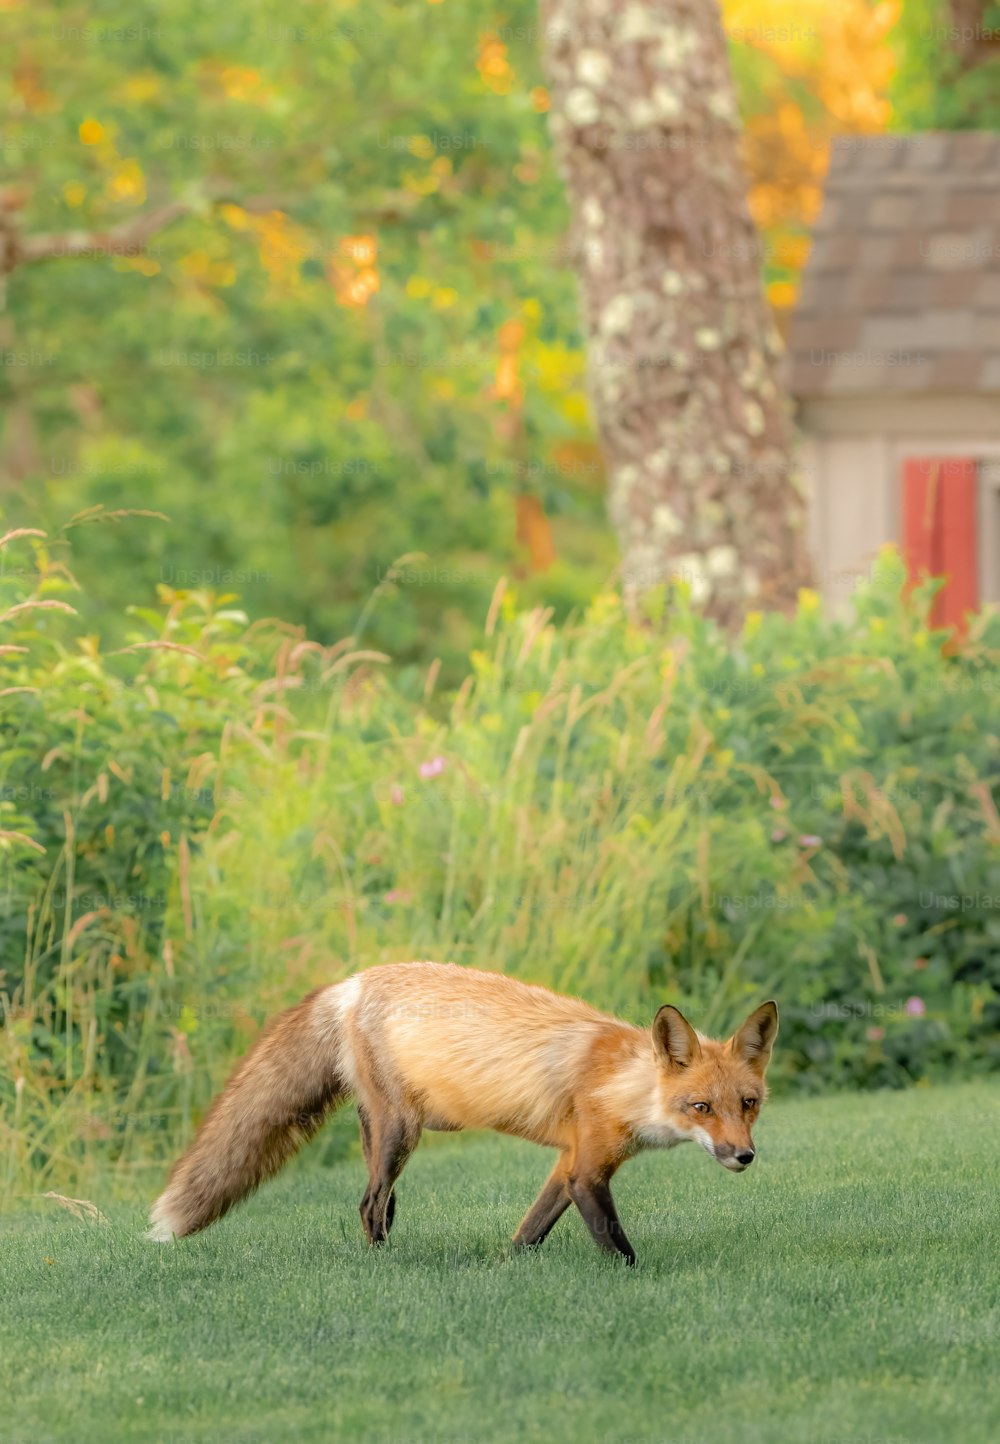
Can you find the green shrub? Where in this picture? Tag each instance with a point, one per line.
(641, 812)
(107, 776)
(199, 830)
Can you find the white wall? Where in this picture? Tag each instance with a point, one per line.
(852, 452)
(850, 511)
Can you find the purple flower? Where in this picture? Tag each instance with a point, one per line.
(434, 768)
(916, 1007)
(809, 839)
(777, 835)
(398, 895)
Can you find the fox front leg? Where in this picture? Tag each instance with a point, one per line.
(592, 1196)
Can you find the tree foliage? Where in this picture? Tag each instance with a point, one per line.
(949, 65)
(358, 339)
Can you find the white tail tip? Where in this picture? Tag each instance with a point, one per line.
(162, 1228)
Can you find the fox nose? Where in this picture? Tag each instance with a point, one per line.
(746, 1158)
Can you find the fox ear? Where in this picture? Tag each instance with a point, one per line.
(674, 1040)
(755, 1039)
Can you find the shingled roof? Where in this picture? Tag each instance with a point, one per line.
(901, 291)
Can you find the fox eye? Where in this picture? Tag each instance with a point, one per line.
(750, 1103)
(701, 1107)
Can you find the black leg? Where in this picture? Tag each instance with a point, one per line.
(391, 1141)
(546, 1211)
(592, 1197)
(367, 1147)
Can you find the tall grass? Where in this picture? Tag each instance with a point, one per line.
(632, 811)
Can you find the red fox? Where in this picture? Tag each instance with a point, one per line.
(434, 1045)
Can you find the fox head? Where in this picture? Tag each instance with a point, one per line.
(712, 1092)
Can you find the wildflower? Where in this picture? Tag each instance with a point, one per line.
(396, 795)
(916, 1007)
(398, 895)
(809, 839)
(874, 1035)
(778, 835)
(434, 768)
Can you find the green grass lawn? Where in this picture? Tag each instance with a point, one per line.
(846, 1288)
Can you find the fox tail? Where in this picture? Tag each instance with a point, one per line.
(275, 1101)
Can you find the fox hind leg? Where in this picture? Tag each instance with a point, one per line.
(388, 1142)
(367, 1147)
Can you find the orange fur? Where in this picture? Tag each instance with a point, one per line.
(432, 1045)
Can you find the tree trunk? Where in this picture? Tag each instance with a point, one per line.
(684, 360)
(969, 34)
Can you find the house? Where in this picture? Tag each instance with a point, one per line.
(895, 364)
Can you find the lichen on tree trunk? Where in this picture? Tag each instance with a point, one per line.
(684, 360)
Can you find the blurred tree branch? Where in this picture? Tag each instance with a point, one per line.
(125, 240)
(128, 239)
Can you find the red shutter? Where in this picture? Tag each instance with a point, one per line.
(940, 526)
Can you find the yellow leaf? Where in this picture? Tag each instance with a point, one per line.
(576, 408)
(127, 183)
(145, 265)
(493, 66)
(240, 82)
(361, 249)
(421, 185)
(235, 217)
(142, 87)
(782, 294)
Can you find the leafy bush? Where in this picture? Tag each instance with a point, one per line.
(201, 828)
(647, 812)
(107, 774)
